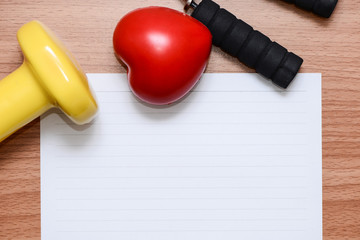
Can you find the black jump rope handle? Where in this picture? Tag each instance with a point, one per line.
(251, 47)
(323, 8)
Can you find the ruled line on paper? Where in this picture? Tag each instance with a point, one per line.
(172, 188)
(214, 91)
(182, 177)
(179, 134)
(184, 231)
(188, 124)
(222, 102)
(186, 220)
(181, 145)
(182, 209)
(190, 166)
(183, 155)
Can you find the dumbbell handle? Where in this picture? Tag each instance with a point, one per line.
(21, 100)
(250, 46)
(323, 8)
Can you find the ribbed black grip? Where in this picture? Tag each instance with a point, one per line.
(251, 47)
(323, 8)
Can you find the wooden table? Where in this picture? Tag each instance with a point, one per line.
(330, 46)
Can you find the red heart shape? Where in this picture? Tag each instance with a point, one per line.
(165, 51)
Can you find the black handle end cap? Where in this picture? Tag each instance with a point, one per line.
(325, 8)
(287, 71)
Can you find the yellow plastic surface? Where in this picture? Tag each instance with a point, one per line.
(49, 77)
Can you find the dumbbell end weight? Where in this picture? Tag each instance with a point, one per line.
(49, 77)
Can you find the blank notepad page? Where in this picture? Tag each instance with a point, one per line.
(236, 159)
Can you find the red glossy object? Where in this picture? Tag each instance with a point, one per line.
(165, 51)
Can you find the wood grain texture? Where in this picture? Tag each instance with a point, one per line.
(330, 46)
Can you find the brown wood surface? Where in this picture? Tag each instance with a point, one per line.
(330, 46)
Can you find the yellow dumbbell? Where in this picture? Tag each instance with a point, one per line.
(49, 77)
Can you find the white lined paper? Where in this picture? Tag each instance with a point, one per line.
(236, 159)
